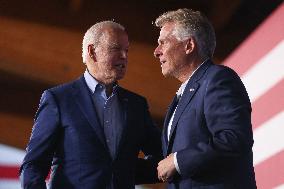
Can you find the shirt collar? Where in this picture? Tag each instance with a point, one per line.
(92, 82)
(183, 85)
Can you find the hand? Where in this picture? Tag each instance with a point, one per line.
(166, 168)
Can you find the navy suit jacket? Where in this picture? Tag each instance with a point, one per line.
(211, 132)
(68, 138)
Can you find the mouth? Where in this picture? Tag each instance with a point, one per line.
(120, 66)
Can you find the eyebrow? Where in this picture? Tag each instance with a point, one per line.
(116, 45)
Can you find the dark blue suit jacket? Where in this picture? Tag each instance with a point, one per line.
(212, 133)
(68, 137)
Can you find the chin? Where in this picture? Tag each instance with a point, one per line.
(165, 73)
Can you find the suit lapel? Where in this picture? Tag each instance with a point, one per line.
(190, 89)
(83, 98)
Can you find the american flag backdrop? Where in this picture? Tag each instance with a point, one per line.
(259, 60)
(10, 160)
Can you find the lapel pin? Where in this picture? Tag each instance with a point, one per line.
(191, 89)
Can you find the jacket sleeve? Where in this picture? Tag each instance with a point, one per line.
(146, 171)
(41, 147)
(227, 113)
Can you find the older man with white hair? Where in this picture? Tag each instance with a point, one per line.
(207, 138)
(91, 130)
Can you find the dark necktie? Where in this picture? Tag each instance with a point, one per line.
(173, 106)
(171, 111)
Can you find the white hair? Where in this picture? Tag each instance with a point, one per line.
(194, 24)
(94, 33)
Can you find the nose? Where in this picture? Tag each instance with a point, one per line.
(157, 52)
(124, 54)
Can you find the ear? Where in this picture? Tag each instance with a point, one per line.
(91, 52)
(190, 45)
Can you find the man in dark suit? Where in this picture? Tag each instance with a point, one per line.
(91, 130)
(207, 138)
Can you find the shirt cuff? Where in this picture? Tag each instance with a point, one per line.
(176, 163)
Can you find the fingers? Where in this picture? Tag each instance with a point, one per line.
(163, 178)
(160, 175)
(162, 172)
(166, 168)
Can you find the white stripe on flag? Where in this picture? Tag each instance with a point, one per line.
(265, 73)
(9, 184)
(10, 155)
(279, 187)
(268, 138)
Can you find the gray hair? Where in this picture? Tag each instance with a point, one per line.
(94, 33)
(194, 24)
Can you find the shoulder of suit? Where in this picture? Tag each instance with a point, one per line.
(220, 73)
(217, 68)
(63, 88)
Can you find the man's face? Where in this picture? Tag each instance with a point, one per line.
(111, 56)
(170, 51)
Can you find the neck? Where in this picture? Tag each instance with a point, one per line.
(188, 69)
(108, 84)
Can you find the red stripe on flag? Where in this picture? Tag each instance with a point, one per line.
(268, 105)
(260, 42)
(10, 172)
(270, 173)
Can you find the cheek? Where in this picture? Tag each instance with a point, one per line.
(110, 58)
(169, 51)
(106, 61)
(175, 52)
(170, 55)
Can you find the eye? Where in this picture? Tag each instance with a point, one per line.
(115, 49)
